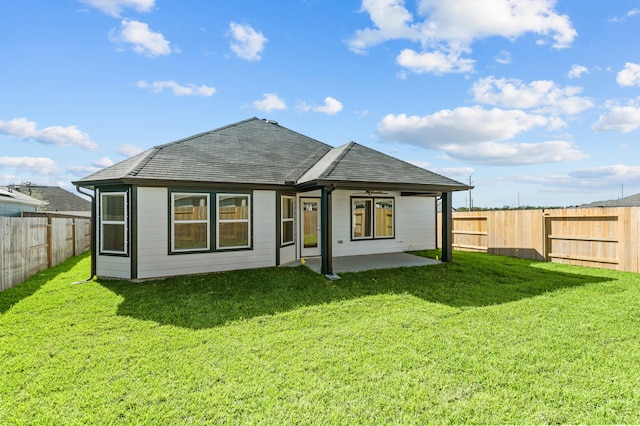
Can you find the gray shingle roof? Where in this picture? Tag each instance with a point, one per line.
(261, 152)
(251, 151)
(57, 199)
(357, 163)
(630, 201)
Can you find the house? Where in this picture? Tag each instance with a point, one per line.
(14, 203)
(57, 200)
(630, 201)
(256, 194)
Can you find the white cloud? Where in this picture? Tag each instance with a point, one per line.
(331, 106)
(177, 89)
(631, 13)
(504, 58)
(450, 27)
(103, 162)
(630, 75)
(478, 136)
(435, 62)
(576, 71)
(618, 172)
(456, 171)
(40, 165)
(143, 40)
(129, 150)
(115, 7)
(422, 164)
(82, 171)
(22, 128)
(269, 102)
(513, 154)
(619, 118)
(248, 43)
(540, 95)
(459, 126)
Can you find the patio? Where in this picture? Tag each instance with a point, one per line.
(368, 262)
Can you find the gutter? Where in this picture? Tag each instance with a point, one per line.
(93, 233)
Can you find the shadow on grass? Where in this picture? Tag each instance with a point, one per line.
(205, 301)
(13, 295)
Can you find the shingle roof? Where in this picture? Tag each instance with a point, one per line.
(16, 197)
(57, 199)
(262, 152)
(357, 163)
(630, 201)
(251, 151)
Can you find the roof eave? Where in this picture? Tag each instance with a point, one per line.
(358, 185)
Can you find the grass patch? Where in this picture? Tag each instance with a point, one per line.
(485, 339)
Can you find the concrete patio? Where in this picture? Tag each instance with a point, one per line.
(368, 262)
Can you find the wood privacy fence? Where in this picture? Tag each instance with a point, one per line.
(31, 244)
(595, 237)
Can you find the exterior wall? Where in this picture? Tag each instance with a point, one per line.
(153, 255)
(415, 226)
(113, 266)
(15, 209)
(288, 254)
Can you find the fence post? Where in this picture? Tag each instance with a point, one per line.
(49, 251)
(73, 235)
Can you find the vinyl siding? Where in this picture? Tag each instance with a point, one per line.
(154, 259)
(113, 266)
(414, 225)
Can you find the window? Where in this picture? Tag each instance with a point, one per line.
(233, 221)
(113, 222)
(372, 218)
(190, 230)
(361, 208)
(286, 228)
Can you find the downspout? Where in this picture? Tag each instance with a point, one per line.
(93, 233)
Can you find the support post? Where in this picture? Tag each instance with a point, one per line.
(447, 227)
(326, 232)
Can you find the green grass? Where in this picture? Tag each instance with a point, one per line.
(485, 339)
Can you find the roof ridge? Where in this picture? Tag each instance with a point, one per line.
(345, 149)
(135, 169)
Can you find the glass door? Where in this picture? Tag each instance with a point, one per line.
(310, 208)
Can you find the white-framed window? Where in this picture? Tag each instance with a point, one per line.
(372, 218)
(286, 216)
(233, 221)
(190, 224)
(113, 223)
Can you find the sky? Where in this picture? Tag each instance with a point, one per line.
(535, 102)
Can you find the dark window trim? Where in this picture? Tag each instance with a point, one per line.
(280, 220)
(126, 190)
(213, 210)
(373, 218)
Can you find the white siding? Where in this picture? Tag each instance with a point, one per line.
(154, 259)
(414, 225)
(287, 254)
(113, 266)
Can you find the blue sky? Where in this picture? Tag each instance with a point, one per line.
(536, 101)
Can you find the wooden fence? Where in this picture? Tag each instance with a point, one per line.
(595, 237)
(31, 244)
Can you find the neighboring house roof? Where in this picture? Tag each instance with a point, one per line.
(261, 152)
(16, 197)
(630, 201)
(57, 199)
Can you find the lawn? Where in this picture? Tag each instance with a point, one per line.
(485, 339)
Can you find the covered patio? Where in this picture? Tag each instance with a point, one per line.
(367, 262)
